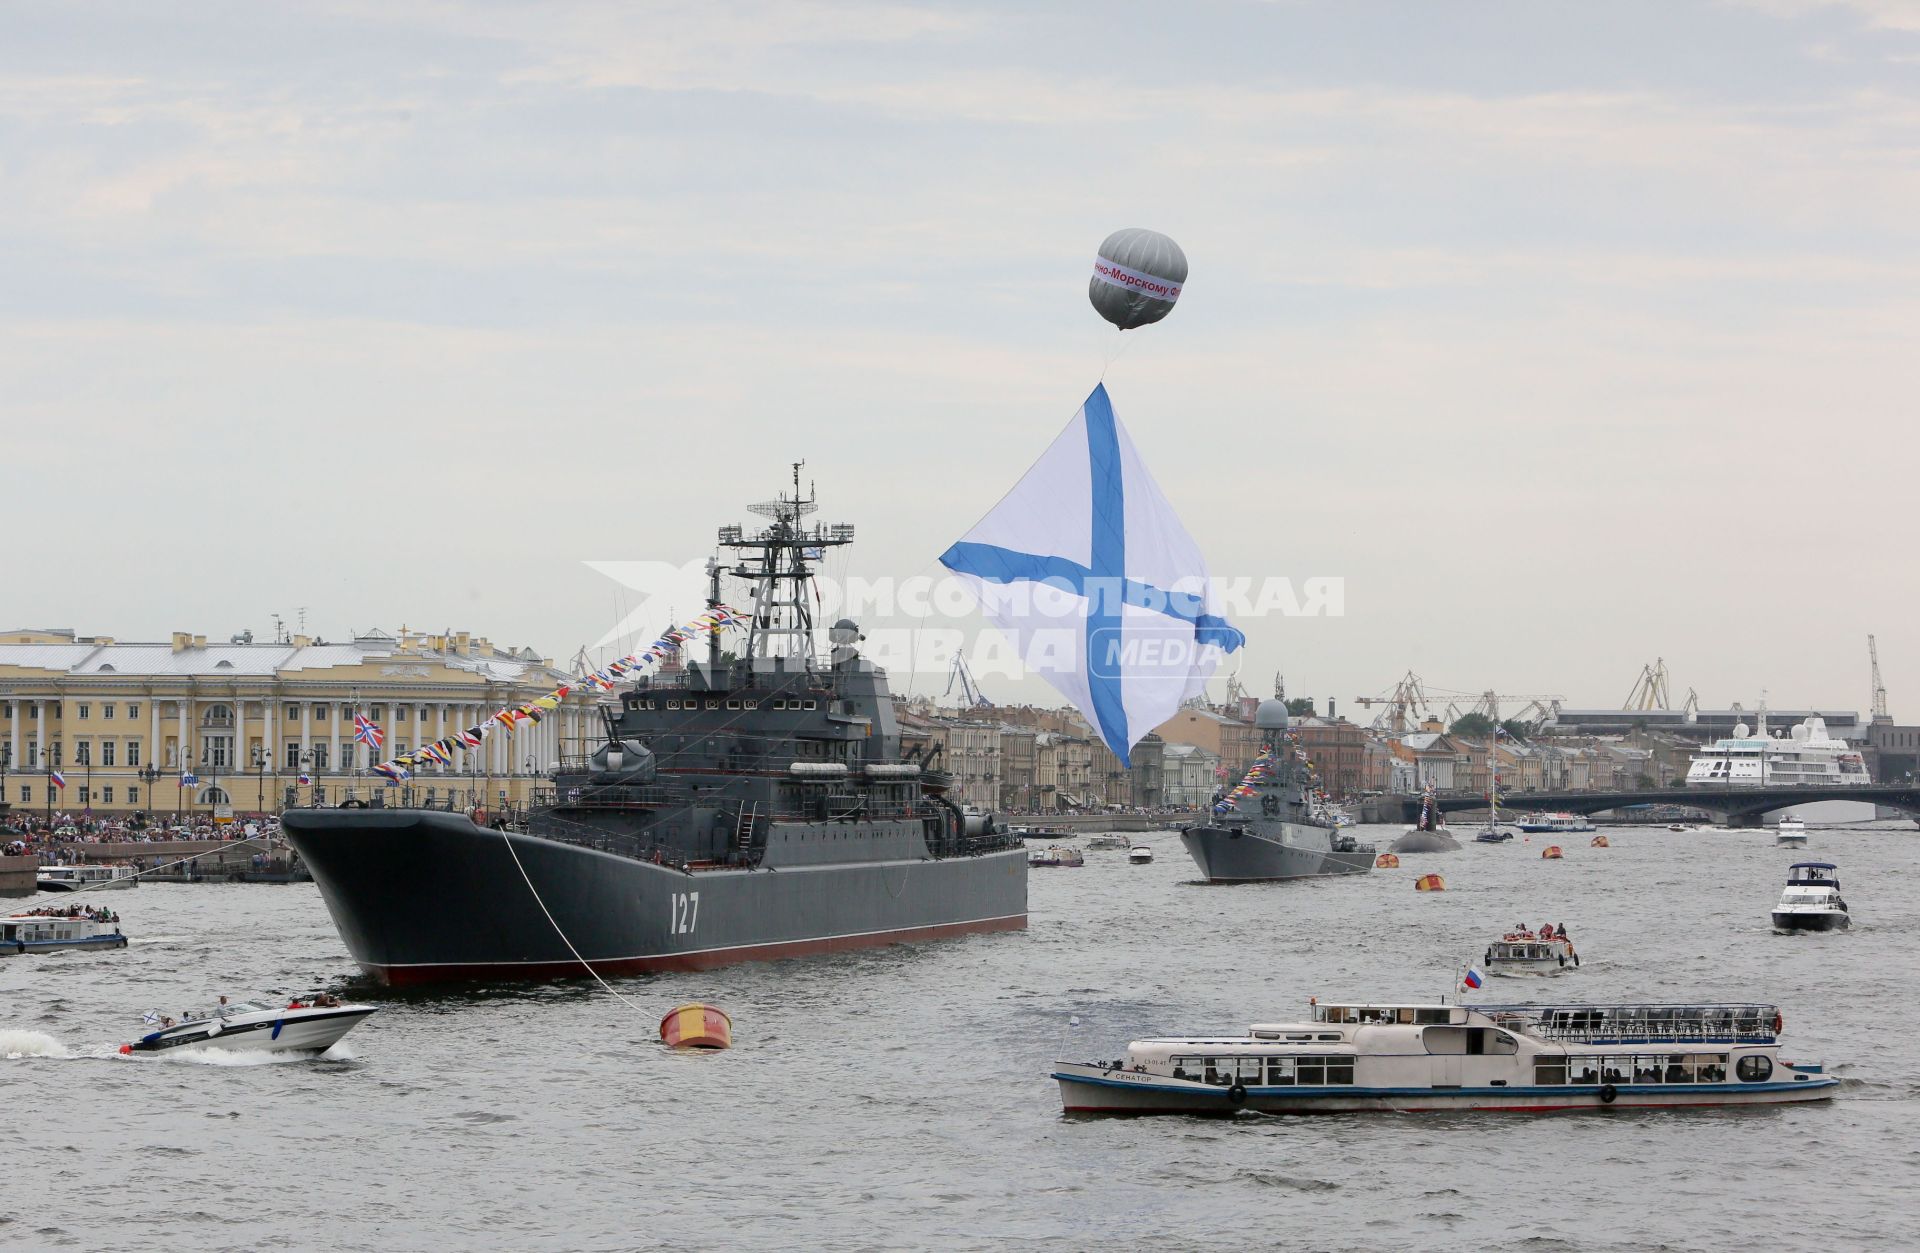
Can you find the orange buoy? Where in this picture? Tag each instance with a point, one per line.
(1551, 852)
(1387, 861)
(125, 1049)
(1429, 883)
(697, 1026)
(1599, 841)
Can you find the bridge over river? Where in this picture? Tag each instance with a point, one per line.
(1733, 806)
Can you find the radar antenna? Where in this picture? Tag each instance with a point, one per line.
(778, 561)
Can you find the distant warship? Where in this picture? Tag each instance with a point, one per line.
(1274, 833)
(748, 808)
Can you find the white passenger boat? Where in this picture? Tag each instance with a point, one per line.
(1108, 840)
(44, 931)
(1525, 952)
(1791, 833)
(1140, 854)
(302, 1026)
(1806, 756)
(1812, 899)
(1398, 1058)
(86, 878)
(1555, 824)
(1056, 855)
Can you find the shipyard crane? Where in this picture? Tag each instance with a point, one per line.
(1404, 705)
(1880, 714)
(969, 690)
(1650, 689)
(1488, 702)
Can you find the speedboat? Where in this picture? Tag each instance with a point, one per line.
(1492, 835)
(1354, 1058)
(1524, 952)
(1056, 855)
(1791, 833)
(1139, 854)
(302, 1026)
(87, 878)
(1812, 900)
(45, 930)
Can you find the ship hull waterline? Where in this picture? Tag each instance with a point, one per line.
(425, 897)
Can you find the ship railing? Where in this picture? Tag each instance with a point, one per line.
(1640, 1024)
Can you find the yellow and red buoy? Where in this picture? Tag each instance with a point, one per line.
(1599, 841)
(1386, 861)
(1429, 883)
(696, 1026)
(1551, 852)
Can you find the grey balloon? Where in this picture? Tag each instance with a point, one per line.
(1137, 276)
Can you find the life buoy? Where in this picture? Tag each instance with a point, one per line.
(1237, 1094)
(1778, 1022)
(1608, 1093)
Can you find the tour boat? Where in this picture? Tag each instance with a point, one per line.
(87, 878)
(43, 932)
(1554, 824)
(1109, 840)
(1523, 952)
(1812, 899)
(1056, 855)
(1140, 854)
(300, 1027)
(1791, 833)
(1402, 1058)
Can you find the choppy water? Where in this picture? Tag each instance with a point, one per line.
(899, 1098)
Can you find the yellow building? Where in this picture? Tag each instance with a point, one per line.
(128, 724)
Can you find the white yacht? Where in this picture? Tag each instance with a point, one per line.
(1791, 833)
(1404, 1057)
(1525, 952)
(1806, 756)
(1812, 899)
(1140, 854)
(85, 878)
(303, 1026)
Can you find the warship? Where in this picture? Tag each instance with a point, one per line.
(1284, 837)
(745, 807)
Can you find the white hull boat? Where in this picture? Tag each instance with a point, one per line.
(1812, 900)
(298, 1028)
(1139, 854)
(1353, 1058)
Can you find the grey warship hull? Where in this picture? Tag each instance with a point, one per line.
(424, 897)
(1240, 854)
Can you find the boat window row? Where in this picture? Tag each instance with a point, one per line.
(1401, 1014)
(1655, 1022)
(1272, 1072)
(730, 702)
(1598, 1068)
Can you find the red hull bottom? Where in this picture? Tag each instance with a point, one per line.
(709, 959)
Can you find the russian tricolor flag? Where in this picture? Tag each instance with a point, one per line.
(1473, 978)
(59, 780)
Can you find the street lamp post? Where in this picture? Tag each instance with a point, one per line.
(260, 774)
(149, 775)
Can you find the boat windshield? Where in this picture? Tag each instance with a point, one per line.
(1817, 873)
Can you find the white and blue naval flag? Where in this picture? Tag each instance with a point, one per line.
(1086, 566)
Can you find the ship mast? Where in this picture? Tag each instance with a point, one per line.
(778, 560)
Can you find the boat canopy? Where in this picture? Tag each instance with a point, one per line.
(1824, 873)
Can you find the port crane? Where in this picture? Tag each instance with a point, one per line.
(1650, 689)
(1403, 708)
(1880, 714)
(970, 693)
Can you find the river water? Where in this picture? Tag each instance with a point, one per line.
(899, 1098)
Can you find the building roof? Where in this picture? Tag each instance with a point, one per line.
(198, 659)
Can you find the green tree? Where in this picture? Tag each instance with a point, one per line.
(1300, 707)
(1517, 730)
(1473, 726)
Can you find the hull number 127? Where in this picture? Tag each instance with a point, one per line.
(686, 912)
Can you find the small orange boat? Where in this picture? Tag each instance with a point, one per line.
(1386, 861)
(1551, 852)
(697, 1026)
(1429, 883)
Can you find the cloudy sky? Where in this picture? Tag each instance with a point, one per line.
(1568, 336)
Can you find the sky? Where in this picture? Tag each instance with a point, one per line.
(1566, 336)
